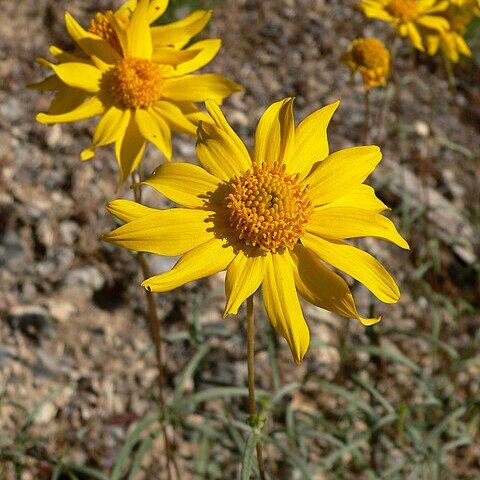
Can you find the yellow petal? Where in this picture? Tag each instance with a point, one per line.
(139, 38)
(219, 154)
(372, 9)
(66, 100)
(165, 232)
(90, 43)
(79, 75)
(121, 31)
(205, 260)
(320, 286)
(193, 113)
(348, 222)
(414, 36)
(432, 42)
(110, 128)
(462, 46)
(244, 276)
(156, 8)
(197, 88)
(205, 52)
(90, 108)
(175, 118)
(282, 304)
(154, 128)
(340, 172)
(47, 84)
(358, 264)
(183, 183)
(129, 150)
(433, 6)
(180, 32)
(311, 141)
(172, 56)
(127, 210)
(434, 22)
(275, 133)
(362, 196)
(221, 122)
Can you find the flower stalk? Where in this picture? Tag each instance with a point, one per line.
(252, 406)
(156, 333)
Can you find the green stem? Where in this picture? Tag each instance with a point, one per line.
(252, 407)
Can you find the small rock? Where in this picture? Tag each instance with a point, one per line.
(60, 309)
(421, 128)
(46, 414)
(69, 232)
(11, 251)
(83, 282)
(32, 320)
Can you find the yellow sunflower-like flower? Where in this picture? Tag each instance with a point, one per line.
(139, 78)
(458, 14)
(274, 219)
(408, 16)
(371, 58)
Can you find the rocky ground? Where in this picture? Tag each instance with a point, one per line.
(74, 338)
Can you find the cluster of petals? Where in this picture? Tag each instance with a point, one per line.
(370, 58)
(452, 43)
(410, 18)
(237, 213)
(137, 77)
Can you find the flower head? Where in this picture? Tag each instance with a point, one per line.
(371, 58)
(408, 16)
(273, 219)
(138, 78)
(458, 14)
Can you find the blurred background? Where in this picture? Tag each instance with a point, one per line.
(77, 368)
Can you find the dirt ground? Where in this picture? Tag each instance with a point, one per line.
(74, 337)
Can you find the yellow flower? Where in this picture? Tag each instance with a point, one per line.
(138, 78)
(459, 14)
(272, 219)
(408, 16)
(371, 58)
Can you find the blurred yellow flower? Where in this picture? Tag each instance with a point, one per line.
(139, 78)
(408, 16)
(458, 14)
(272, 219)
(371, 58)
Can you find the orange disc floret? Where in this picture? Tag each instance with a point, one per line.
(405, 10)
(268, 208)
(135, 82)
(100, 25)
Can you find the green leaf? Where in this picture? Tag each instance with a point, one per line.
(189, 371)
(124, 454)
(247, 461)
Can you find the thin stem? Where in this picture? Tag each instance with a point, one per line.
(375, 339)
(156, 332)
(366, 124)
(452, 84)
(252, 407)
(382, 132)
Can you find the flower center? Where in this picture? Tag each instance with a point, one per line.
(100, 25)
(268, 208)
(403, 9)
(135, 82)
(370, 53)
